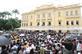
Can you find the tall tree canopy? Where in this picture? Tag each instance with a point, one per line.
(7, 22)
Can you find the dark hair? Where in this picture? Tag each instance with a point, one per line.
(31, 51)
(25, 43)
(58, 45)
(54, 46)
(55, 41)
(80, 41)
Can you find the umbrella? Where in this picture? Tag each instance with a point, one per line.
(73, 37)
(4, 41)
(7, 35)
(79, 37)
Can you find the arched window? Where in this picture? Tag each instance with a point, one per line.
(49, 23)
(30, 23)
(71, 13)
(59, 13)
(67, 13)
(77, 22)
(43, 23)
(38, 16)
(59, 23)
(67, 22)
(76, 12)
(38, 24)
(43, 15)
(72, 23)
(49, 14)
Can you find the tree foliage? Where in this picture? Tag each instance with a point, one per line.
(7, 22)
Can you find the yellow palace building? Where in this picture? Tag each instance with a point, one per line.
(50, 17)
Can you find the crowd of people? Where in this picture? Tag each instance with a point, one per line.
(42, 42)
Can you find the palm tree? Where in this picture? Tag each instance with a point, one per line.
(8, 14)
(4, 14)
(15, 11)
(1, 15)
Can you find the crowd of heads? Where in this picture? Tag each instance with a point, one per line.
(37, 40)
(40, 42)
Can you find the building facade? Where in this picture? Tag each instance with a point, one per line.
(50, 17)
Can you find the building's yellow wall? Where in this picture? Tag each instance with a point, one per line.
(56, 14)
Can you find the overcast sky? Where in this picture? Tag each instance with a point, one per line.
(28, 5)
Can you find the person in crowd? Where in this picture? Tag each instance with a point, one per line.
(14, 49)
(54, 49)
(68, 46)
(21, 51)
(4, 50)
(45, 42)
(79, 47)
(31, 51)
(42, 51)
(74, 46)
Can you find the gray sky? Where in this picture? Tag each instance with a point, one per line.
(28, 5)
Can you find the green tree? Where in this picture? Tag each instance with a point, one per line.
(6, 14)
(2, 15)
(2, 24)
(13, 23)
(7, 23)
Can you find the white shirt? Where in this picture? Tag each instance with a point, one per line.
(79, 47)
(33, 47)
(0, 50)
(15, 47)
